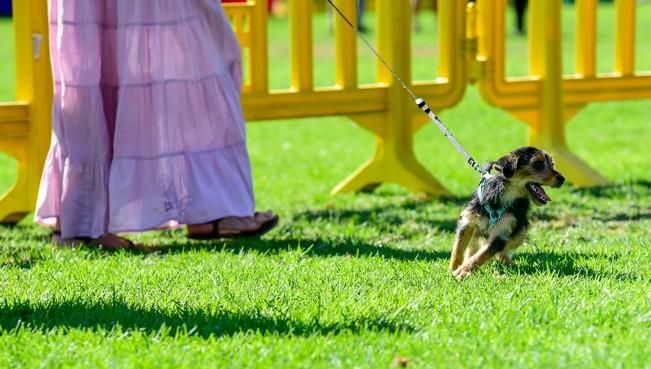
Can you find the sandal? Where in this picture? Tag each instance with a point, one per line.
(216, 233)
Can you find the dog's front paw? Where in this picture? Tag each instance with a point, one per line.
(461, 272)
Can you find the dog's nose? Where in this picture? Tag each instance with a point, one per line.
(560, 180)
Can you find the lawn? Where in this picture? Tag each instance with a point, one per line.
(359, 280)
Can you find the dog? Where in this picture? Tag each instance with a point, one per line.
(494, 222)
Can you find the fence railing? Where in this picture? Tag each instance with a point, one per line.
(546, 99)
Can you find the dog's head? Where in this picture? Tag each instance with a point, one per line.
(527, 169)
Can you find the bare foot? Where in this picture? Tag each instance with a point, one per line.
(108, 241)
(262, 217)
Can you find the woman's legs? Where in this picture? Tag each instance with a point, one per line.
(147, 124)
(180, 146)
(73, 196)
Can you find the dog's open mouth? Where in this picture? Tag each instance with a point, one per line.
(538, 193)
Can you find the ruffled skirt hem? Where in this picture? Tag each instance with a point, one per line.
(145, 194)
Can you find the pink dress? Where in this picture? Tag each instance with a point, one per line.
(147, 125)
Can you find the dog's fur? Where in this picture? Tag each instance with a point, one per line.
(511, 189)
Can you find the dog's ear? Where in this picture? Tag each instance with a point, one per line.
(506, 165)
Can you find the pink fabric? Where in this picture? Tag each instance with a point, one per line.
(147, 125)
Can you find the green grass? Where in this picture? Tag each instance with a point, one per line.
(358, 280)
(7, 87)
(7, 65)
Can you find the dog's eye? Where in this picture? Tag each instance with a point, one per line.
(538, 165)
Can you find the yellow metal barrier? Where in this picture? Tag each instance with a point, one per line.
(471, 44)
(25, 123)
(546, 99)
(382, 107)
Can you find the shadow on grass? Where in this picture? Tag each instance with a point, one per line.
(565, 264)
(20, 258)
(182, 320)
(309, 247)
(624, 217)
(386, 216)
(616, 190)
(23, 254)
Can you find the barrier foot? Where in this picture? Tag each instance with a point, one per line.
(13, 204)
(406, 172)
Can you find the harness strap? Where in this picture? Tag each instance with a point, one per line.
(493, 213)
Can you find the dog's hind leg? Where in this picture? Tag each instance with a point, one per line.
(506, 256)
(465, 231)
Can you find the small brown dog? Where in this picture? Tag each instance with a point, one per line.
(494, 222)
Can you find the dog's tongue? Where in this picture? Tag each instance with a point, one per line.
(540, 193)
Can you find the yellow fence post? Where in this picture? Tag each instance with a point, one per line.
(25, 124)
(625, 35)
(259, 58)
(345, 46)
(586, 37)
(300, 23)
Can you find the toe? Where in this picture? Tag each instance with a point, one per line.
(263, 216)
(111, 241)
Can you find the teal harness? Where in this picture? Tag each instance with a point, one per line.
(494, 213)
